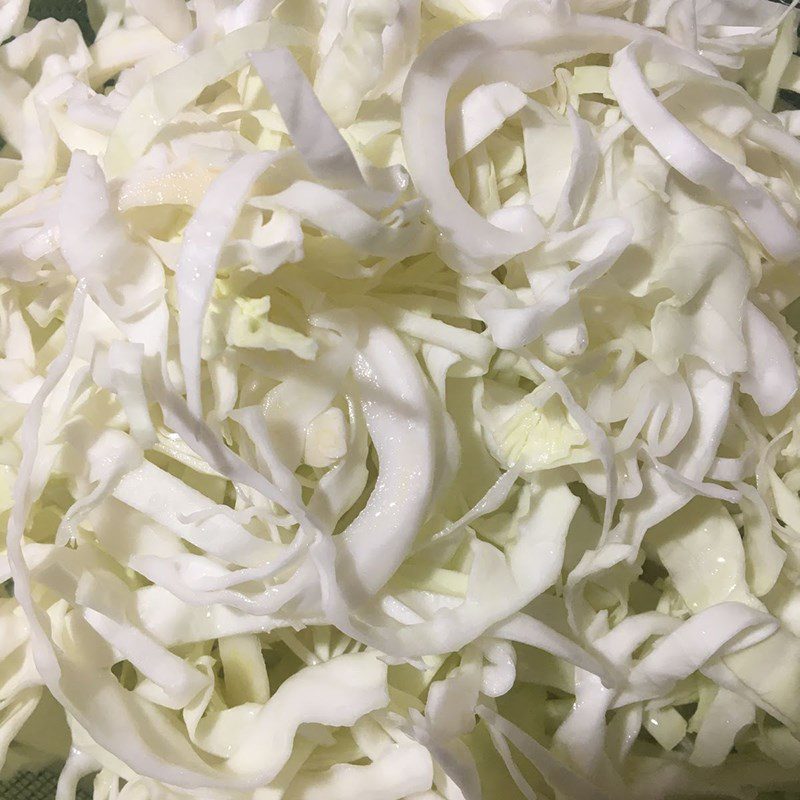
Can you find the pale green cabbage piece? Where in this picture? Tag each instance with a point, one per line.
(399, 399)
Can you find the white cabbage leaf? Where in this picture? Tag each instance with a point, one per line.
(400, 399)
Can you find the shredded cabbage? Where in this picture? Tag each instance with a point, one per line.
(400, 399)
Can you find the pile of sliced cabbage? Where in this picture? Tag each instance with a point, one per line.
(398, 399)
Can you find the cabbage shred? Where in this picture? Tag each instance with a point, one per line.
(399, 399)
